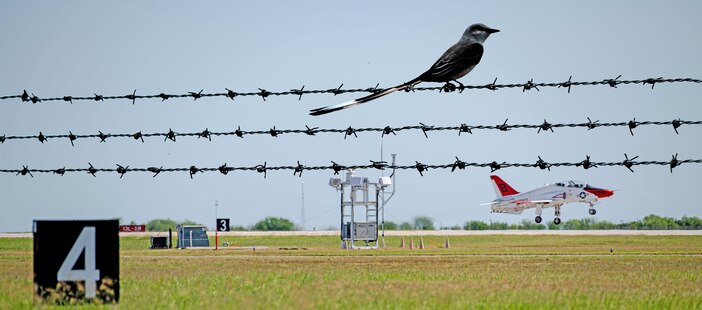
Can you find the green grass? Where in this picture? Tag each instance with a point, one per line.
(488, 272)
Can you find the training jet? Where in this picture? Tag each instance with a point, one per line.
(551, 195)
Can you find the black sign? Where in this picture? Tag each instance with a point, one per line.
(76, 261)
(222, 224)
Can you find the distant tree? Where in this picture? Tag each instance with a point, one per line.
(423, 223)
(552, 226)
(657, 222)
(160, 224)
(165, 224)
(405, 226)
(498, 226)
(238, 228)
(528, 224)
(274, 223)
(389, 225)
(690, 223)
(475, 225)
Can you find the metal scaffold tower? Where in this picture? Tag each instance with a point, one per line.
(362, 209)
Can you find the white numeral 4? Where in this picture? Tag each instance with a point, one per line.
(85, 241)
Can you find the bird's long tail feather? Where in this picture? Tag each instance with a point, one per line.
(355, 102)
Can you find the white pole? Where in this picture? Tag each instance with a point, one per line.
(303, 206)
(216, 226)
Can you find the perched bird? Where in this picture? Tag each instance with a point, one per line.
(456, 62)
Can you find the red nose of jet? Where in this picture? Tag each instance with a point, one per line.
(599, 192)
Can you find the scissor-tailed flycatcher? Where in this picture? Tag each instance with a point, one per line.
(456, 62)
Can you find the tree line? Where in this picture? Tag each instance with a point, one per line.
(649, 222)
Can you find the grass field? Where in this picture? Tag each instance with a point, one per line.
(476, 272)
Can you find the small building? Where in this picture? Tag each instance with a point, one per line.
(192, 236)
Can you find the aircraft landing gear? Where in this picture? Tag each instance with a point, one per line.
(592, 211)
(537, 219)
(557, 220)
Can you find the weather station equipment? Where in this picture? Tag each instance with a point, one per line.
(363, 208)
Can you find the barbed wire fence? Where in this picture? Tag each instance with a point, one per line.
(264, 93)
(350, 131)
(380, 165)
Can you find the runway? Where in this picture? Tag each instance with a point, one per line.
(391, 233)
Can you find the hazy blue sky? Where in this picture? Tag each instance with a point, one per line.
(79, 48)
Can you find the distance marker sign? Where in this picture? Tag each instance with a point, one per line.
(222, 224)
(76, 261)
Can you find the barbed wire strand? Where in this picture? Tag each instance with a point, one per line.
(263, 93)
(380, 165)
(273, 132)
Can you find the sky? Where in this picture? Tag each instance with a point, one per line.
(77, 48)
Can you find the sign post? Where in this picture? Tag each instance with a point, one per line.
(222, 225)
(76, 261)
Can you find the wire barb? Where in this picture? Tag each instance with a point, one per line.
(464, 128)
(41, 138)
(102, 137)
(494, 166)
(387, 131)
(426, 128)
(542, 164)
(311, 131)
(458, 164)
(122, 170)
(92, 170)
(504, 126)
(72, 138)
(421, 168)
(155, 170)
(591, 124)
(629, 162)
(674, 162)
(132, 97)
(587, 164)
(205, 134)
(231, 94)
(298, 169)
(380, 165)
(567, 84)
(350, 131)
(273, 132)
(336, 167)
(25, 170)
(195, 95)
(632, 124)
(193, 170)
(138, 136)
(171, 135)
(262, 169)
(676, 123)
(614, 82)
(545, 126)
(223, 169)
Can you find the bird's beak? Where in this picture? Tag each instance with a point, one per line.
(490, 30)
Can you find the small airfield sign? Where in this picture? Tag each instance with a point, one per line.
(76, 261)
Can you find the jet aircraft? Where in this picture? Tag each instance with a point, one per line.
(551, 195)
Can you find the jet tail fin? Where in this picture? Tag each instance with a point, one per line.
(501, 187)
